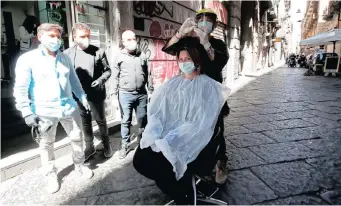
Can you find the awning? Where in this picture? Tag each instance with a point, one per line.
(328, 37)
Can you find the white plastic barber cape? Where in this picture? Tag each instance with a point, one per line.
(182, 116)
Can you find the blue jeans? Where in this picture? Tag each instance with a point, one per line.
(129, 102)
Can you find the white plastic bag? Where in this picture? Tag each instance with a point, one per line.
(182, 116)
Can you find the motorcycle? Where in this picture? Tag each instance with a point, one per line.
(302, 61)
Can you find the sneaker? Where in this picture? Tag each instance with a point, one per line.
(52, 183)
(84, 171)
(221, 172)
(107, 149)
(89, 151)
(123, 152)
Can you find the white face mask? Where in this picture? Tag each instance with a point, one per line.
(83, 43)
(131, 45)
(52, 44)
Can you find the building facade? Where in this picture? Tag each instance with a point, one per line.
(247, 27)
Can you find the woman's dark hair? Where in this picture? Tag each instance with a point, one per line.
(195, 50)
(29, 23)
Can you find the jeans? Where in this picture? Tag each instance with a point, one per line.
(72, 126)
(98, 112)
(128, 102)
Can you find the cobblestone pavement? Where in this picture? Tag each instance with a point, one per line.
(283, 141)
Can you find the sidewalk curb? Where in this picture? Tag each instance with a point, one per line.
(33, 161)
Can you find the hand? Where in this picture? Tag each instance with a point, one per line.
(96, 83)
(32, 120)
(187, 27)
(203, 37)
(85, 104)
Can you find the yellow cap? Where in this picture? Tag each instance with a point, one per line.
(206, 11)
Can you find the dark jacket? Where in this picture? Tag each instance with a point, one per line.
(131, 72)
(99, 69)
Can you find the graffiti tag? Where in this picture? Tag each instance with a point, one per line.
(152, 8)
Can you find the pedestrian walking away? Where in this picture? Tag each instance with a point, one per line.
(132, 79)
(93, 70)
(201, 27)
(43, 93)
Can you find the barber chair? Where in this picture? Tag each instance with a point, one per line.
(203, 190)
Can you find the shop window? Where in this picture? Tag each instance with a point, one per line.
(94, 14)
(54, 12)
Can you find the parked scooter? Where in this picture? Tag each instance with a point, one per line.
(292, 61)
(302, 61)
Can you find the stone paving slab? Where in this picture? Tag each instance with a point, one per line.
(329, 166)
(323, 122)
(297, 200)
(334, 117)
(298, 114)
(259, 127)
(245, 188)
(292, 178)
(288, 135)
(268, 117)
(242, 158)
(242, 114)
(293, 123)
(252, 139)
(239, 121)
(280, 152)
(233, 130)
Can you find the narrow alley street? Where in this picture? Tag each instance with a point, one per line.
(283, 135)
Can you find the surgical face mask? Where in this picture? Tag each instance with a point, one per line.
(187, 67)
(83, 42)
(206, 26)
(52, 44)
(131, 45)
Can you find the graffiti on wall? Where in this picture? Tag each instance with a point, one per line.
(162, 19)
(153, 8)
(162, 65)
(219, 8)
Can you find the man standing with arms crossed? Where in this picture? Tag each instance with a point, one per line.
(93, 70)
(131, 76)
(202, 26)
(47, 76)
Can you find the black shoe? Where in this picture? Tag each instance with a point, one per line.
(107, 149)
(89, 151)
(123, 152)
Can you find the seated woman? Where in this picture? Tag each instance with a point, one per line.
(181, 137)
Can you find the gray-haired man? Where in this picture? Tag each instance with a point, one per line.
(92, 68)
(47, 76)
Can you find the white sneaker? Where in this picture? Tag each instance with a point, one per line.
(52, 183)
(84, 171)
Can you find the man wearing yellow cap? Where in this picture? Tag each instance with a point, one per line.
(201, 27)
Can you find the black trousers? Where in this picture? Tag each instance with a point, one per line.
(156, 167)
(98, 113)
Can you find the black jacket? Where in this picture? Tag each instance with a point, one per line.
(131, 72)
(99, 69)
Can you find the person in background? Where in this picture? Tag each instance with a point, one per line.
(93, 70)
(132, 76)
(28, 34)
(45, 80)
(202, 26)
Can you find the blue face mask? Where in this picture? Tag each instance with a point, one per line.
(52, 44)
(206, 26)
(187, 67)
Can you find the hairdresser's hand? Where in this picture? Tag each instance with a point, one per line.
(187, 27)
(203, 37)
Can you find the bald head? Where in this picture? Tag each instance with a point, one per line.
(129, 40)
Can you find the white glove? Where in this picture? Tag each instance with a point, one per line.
(85, 104)
(203, 36)
(187, 27)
